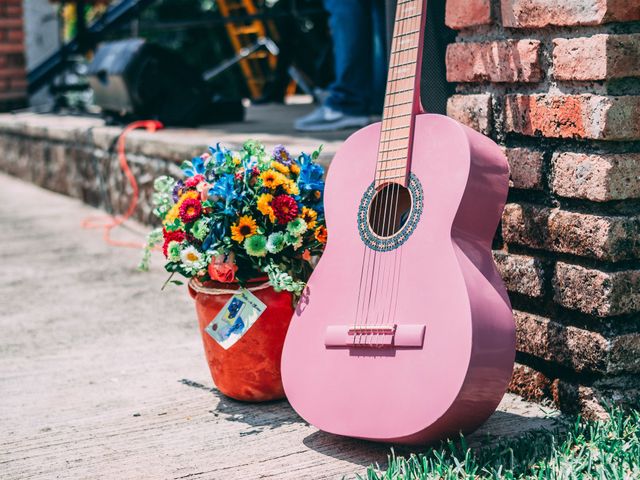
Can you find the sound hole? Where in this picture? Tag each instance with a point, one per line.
(389, 209)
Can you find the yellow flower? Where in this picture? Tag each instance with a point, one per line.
(236, 159)
(310, 216)
(245, 228)
(172, 214)
(264, 206)
(291, 188)
(280, 167)
(272, 179)
(295, 169)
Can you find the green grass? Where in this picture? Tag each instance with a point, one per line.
(580, 450)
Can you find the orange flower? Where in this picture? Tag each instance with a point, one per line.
(321, 234)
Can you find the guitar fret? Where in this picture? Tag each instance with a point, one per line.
(393, 150)
(404, 50)
(407, 18)
(397, 116)
(393, 159)
(405, 34)
(392, 177)
(395, 139)
(395, 128)
(402, 78)
(398, 104)
(413, 62)
(400, 91)
(390, 169)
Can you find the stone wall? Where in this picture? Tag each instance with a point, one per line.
(556, 82)
(76, 155)
(13, 78)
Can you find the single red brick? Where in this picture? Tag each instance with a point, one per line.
(12, 72)
(542, 13)
(526, 168)
(461, 14)
(598, 57)
(18, 84)
(503, 61)
(596, 177)
(7, 23)
(574, 116)
(15, 35)
(603, 237)
(13, 95)
(6, 48)
(596, 292)
(472, 110)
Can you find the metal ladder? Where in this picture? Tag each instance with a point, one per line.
(257, 66)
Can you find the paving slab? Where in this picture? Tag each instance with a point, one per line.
(102, 375)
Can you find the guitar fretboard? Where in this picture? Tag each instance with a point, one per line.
(401, 102)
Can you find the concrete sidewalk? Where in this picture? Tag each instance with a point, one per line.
(103, 376)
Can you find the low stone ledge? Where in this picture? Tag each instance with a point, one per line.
(75, 156)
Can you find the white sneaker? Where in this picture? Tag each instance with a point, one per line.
(325, 119)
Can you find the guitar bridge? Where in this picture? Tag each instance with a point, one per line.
(374, 336)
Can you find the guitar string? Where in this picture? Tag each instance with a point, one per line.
(387, 137)
(392, 195)
(375, 269)
(391, 191)
(395, 283)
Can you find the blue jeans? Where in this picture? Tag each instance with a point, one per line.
(358, 30)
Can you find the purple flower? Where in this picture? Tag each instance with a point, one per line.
(280, 154)
(176, 190)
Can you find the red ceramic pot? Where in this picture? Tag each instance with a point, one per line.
(250, 369)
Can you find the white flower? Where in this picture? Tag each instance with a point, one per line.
(192, 259)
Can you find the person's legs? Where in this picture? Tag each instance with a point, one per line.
(350, 22)
(379, 56)
(348, 103)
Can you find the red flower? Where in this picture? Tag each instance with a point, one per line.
(190, 210)
(285, 208)
(222, 272)
(177, 236)
(193, 181)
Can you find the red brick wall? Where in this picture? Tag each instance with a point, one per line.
(556, 82)
(13, 81)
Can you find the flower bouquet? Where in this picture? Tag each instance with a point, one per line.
(251, 220)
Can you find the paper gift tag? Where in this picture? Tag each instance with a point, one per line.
(236, 318)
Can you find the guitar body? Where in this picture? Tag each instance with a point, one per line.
(441, 281)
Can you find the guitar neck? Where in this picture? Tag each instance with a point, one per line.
(402, 99)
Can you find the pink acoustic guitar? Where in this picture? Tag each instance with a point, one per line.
(405, 332)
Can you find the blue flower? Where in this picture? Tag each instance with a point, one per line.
(193, 167)
(218, 154)
(224, 187)
(311, 174)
